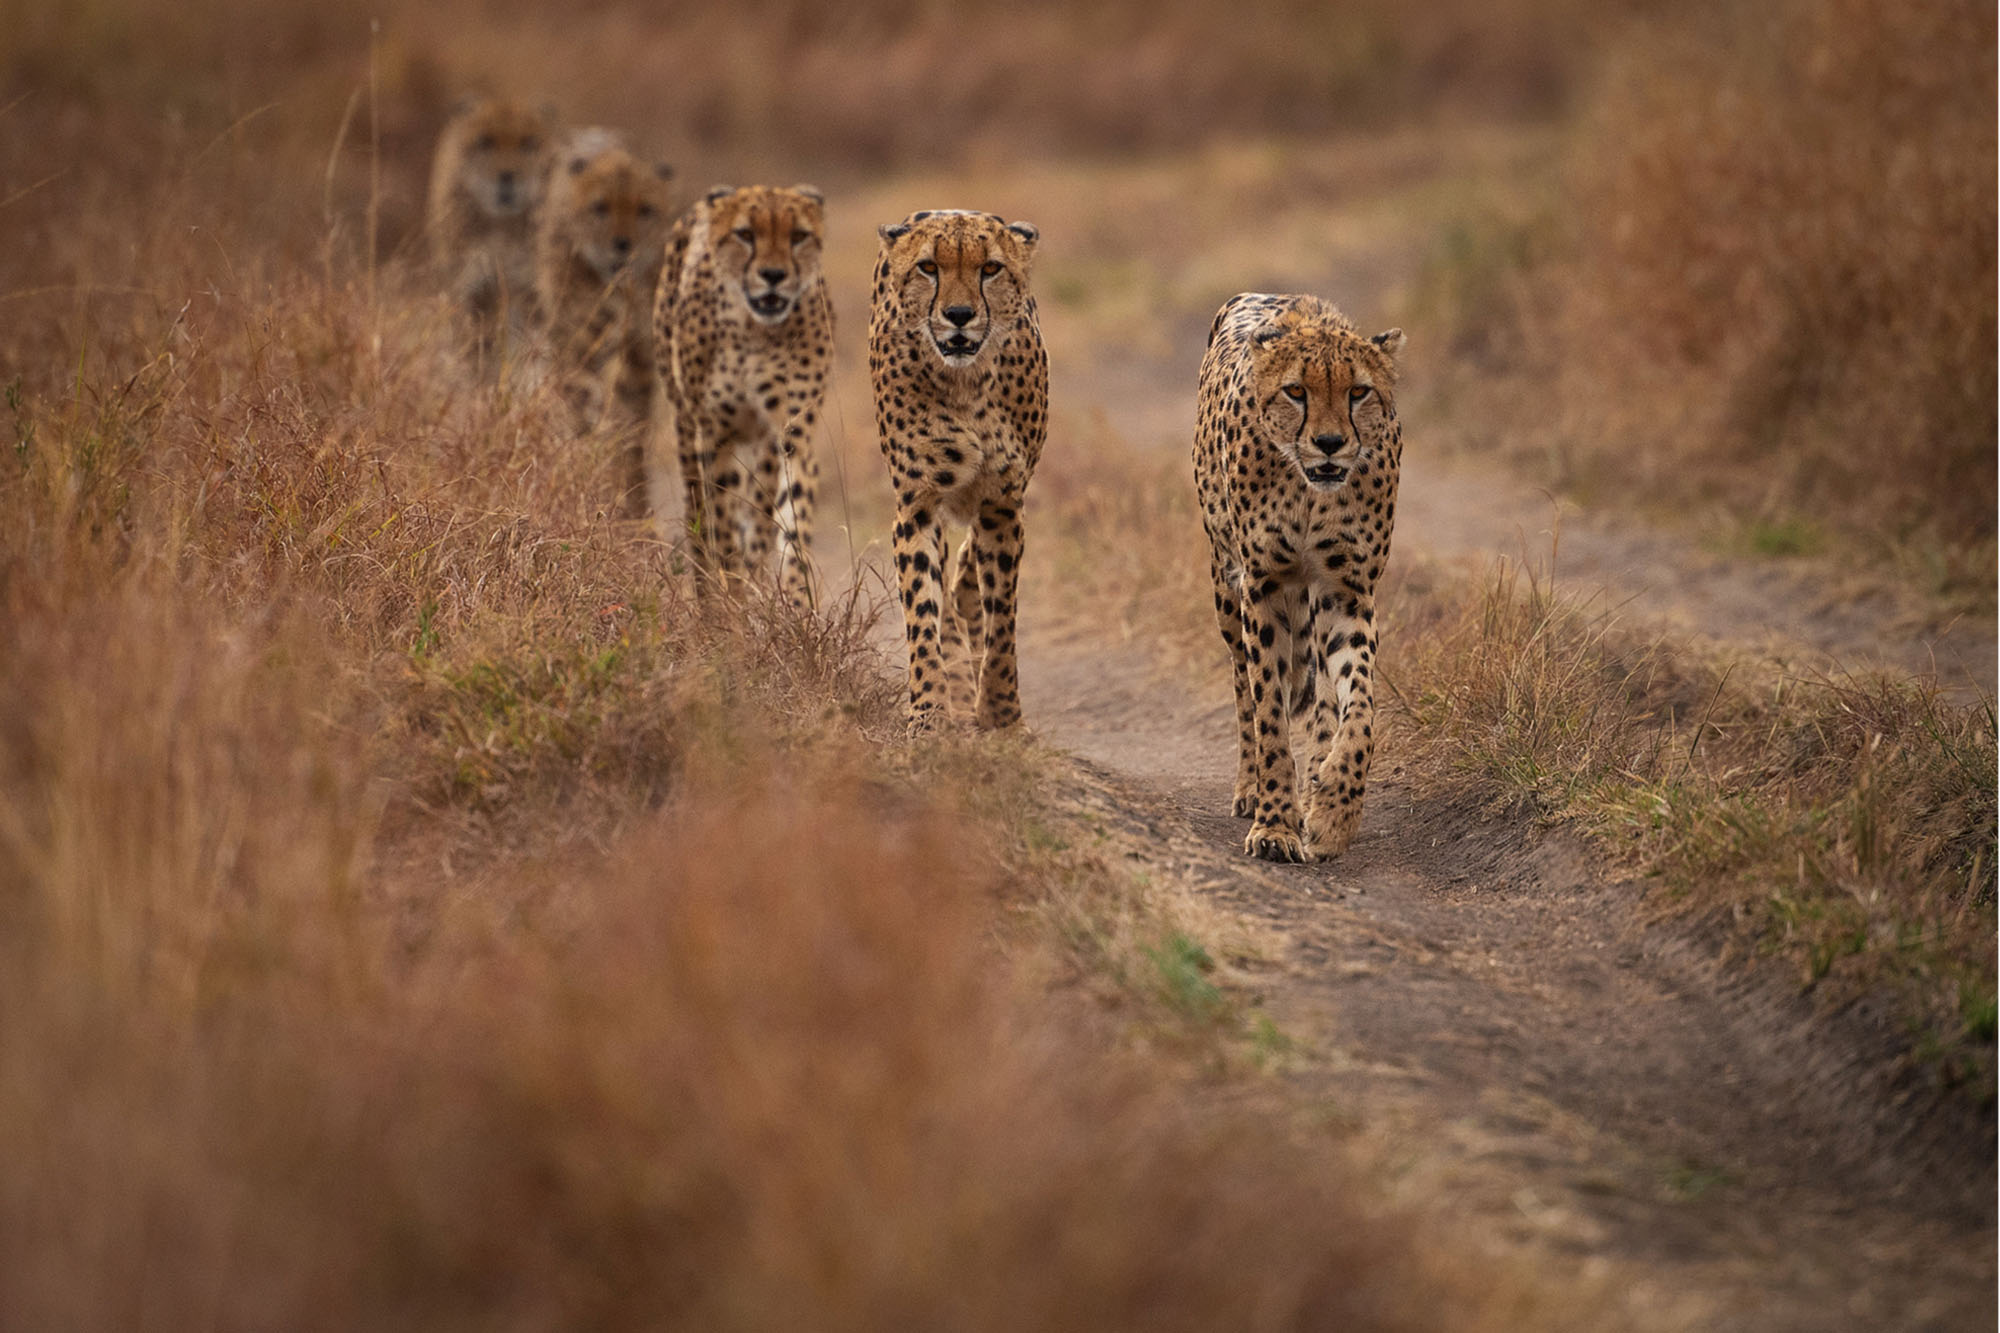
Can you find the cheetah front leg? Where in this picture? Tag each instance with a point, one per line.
(763, 480)
(997, 540)
(918, 540)
(1229, 620)
(711, 478)
(637, 389)
(1275, 832)
(798, 497)
(1343, 726)
(964, 633)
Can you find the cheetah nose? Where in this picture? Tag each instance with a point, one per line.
(1330, 442)
(959, 315)
(622, 244)
(774, 276)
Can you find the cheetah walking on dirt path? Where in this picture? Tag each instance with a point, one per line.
(1297, 453)
(961, 406)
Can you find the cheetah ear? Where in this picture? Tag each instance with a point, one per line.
(891, 232)
(717, 193)
(664, 170)
(1390, 342)
(812, 192)
(1027, 231)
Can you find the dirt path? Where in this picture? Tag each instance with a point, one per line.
(1581, 1084)
(1585, 1085)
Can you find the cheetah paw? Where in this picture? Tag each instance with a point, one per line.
(1268, 842)
(1330, 833)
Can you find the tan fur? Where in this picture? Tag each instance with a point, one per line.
(1297, 454)
(744, 332)
(961, 407)
(487, 180)
(598, 254)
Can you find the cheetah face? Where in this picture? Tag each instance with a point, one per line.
(612, 211)
(1324, 398)
(769, 238)
(503, 156)
(960, 278)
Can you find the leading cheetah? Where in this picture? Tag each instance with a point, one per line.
(961, 405)
(744, 334)
(1297, 453)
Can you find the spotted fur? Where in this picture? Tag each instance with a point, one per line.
(487, 179)
(598, 255)
(745, 335)
(961, 408)
(1297, 453)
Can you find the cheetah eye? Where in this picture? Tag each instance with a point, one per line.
(484, 143)
(800, 236)
(530, 143)
(1295, 392)
(745, 235)
(601, 208)
(927, 268)
(990, 267)
(646, 210)
(1358, 392)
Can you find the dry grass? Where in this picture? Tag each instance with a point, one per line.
(753, 1068)
(784, 86)
(1845, 825)
(413, 914)
(1768, 288)
(415, 917)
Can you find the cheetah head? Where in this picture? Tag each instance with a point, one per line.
(502, 154)
(961, 279)
(1325, 395)
(769, 238)
(609, 210)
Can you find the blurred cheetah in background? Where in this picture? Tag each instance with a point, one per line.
(487, 180)
(598, 254)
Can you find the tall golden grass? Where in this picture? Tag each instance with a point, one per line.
(413, 913)
(787, 84)
(1769, 288)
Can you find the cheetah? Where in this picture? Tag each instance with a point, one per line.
(1297, 453)
(487, 179)
(598, 253)
(744, 333)
(961, 407)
